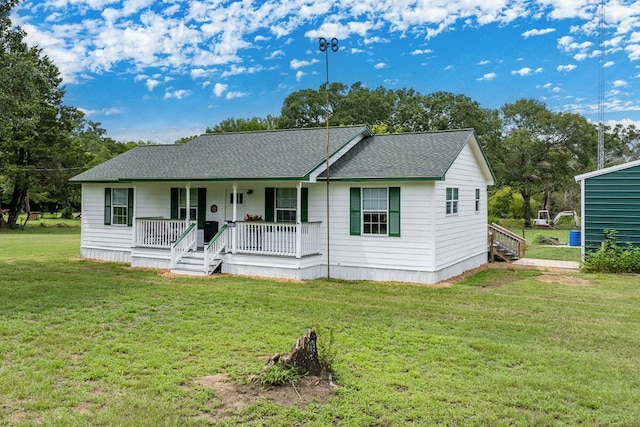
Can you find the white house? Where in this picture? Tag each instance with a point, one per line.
(404, 207)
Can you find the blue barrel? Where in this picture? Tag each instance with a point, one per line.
(574, 237)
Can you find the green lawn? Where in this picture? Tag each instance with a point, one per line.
(88, 343)
(534, 250)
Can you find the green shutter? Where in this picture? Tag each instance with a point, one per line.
(130, 207)
(107, 206)
(354, 211)
(202, 207)
(174, 203)
(394, 211)
(304, 215)
(269, 203)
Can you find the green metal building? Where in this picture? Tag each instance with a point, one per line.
(610, 200)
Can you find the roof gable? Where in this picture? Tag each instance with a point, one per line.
(427, 155)
(605, 171)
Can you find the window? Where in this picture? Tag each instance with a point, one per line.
(286, 203)
(452, 200)
(239, 198)
(197, 204)
(118, 206)
(280, 204)
(182, 203)
(477, 200)
(374, 211)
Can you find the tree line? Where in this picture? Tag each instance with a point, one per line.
(534, 152)
(43, 142)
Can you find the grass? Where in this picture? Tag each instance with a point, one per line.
(534, 250)
(88, 343)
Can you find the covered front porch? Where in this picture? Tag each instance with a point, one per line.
(176, 242)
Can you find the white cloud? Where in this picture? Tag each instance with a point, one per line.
(380, 66)
(421, 52)
(177, 94)
(522, 71)
(151, 84)
(240, 69)
(484, 62)
(608, 64)
(296, 63)
(198, 73)
(536, 32)
(620, 83)
(488, 77)
(568, 67)
(219, 89)
(355, 50)
(232, 95)
(299, 75)
(275, 54)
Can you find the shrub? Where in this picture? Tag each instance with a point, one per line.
(612, 258)
(67, 213)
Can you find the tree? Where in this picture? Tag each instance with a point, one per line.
(35, 126)
(243, 125)
(541, 151)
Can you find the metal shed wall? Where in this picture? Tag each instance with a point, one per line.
(612, 201)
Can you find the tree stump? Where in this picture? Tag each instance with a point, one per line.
(303, 355)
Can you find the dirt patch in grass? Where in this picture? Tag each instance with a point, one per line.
(563, 279)
(234, 397)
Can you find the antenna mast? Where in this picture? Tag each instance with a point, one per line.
(601, 40)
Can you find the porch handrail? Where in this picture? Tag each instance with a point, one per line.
(276, 238)
(184, 244)
(215, 246)
(507, 239)
(157, 232)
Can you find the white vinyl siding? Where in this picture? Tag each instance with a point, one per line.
(464, 235)
(412, 250)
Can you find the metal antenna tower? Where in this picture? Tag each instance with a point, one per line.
(601, 40)
(326, 46)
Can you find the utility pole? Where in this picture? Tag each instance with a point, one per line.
(325, 46)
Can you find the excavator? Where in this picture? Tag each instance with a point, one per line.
(544, 219)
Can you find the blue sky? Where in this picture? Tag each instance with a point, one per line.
(159, 70)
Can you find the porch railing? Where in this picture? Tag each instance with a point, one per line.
(271, 238)
(505, 243)
(158, 233)
(215, 246)
(184, 244)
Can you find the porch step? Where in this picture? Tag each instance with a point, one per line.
(192, 265)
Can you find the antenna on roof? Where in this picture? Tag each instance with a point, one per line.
(326, 45)
(601, 31)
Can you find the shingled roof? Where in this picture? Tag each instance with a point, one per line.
(426, 155)
(292, 154)
(283, 154)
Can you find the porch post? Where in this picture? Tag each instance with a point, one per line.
(234, 230)
(299, 220)
(187, 217)
(134, 227)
